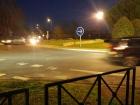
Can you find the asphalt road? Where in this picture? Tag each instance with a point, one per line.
(27, 63)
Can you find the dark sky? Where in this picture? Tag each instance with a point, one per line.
(36, 11)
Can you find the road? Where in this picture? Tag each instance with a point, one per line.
(25, 63)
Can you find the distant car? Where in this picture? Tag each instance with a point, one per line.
(33, 40)
(15, 40)
(126, 51)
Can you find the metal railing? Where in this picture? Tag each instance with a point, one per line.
(7, 97)
(99, 80)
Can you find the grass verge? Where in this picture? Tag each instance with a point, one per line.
(88, 44)
(78, 90)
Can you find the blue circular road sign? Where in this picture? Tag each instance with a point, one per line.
(80, 31)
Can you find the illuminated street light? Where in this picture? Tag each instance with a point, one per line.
(37, 26)
(99, 15)
(48, 20)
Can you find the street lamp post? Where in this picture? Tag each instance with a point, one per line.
(49, 21)
(99, 16)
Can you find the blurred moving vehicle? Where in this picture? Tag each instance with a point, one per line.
(126, 51)
(33, 40)
(15, 40)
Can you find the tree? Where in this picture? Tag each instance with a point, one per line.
(136, 24)
(128, 8)
(70, 28)
(123, 28)
(58, 32)
(11, 18)
(113, 15)
(67, 29)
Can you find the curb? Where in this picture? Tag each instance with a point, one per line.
(76, 49)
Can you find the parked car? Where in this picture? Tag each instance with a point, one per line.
(126, 51)
(16, 40)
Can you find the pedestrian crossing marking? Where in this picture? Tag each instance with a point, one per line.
(21, 78)
(2, 59)
(22, 63)
(52, 68)
(2, 74)
(36, 65)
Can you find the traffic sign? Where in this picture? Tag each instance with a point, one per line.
(80, 31)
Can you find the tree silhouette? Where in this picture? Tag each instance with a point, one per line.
(11, 18)
(136, 24)
(123, 28)
(127, 8)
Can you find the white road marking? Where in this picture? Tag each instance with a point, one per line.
(52, 68)
(21, 78)
(22, 63)
(86, 50)
(2, 74)
(95, 72)
(2, 59)
(36, 65)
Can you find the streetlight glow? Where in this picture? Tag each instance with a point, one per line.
(48, 20)
(99, 15)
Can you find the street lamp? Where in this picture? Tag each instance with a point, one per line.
(37, 26)
(99, 16)
(49, 21)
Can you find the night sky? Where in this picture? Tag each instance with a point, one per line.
(36, 11)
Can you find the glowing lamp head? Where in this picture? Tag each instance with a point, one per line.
(48, 20)
(99, 15)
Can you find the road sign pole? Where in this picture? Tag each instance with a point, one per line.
(47, 36)
(80, 41)
(80, 33)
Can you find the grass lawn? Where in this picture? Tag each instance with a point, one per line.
(37, 92)
(78, 90)
(88, 44)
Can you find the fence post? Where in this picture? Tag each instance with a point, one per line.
(10, 100)
(133, 86)
(59, 94)
(99, 89)
(46, 97)
(27, 97)
(127, 87)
